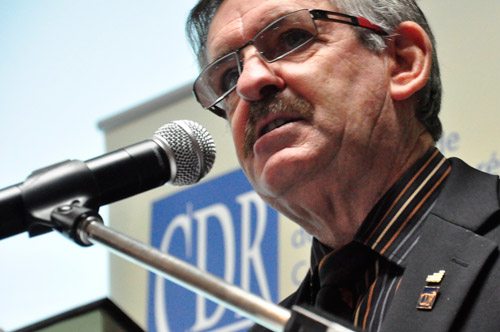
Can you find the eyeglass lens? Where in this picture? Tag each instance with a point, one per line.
(277, 40)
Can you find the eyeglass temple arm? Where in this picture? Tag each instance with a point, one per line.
(218, 111)
(347, 19)
(214, 108)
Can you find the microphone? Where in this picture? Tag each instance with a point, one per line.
(180, 152)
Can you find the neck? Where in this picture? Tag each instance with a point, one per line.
(333, 213)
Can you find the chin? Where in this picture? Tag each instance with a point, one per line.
(279, 180)
(280, 172)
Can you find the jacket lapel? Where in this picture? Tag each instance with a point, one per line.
(448, 243)
(442, 246)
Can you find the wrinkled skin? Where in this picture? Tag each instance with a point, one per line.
(352, 129)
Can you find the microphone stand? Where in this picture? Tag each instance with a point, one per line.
(85, 227)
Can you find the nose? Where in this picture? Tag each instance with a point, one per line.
(257, 79)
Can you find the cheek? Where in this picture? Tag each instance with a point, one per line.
(341, 73)
(237, 122)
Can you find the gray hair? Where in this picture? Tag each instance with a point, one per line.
(387, 14)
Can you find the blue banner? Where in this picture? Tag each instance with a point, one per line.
(223, 227)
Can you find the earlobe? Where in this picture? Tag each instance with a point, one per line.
(412, 60)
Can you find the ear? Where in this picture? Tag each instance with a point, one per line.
(412, 59)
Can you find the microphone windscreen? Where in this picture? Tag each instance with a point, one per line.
(193, 150)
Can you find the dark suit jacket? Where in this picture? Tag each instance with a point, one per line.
(461, 236)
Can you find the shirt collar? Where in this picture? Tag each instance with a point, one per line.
(392, 227)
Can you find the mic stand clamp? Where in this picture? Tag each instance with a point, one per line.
(71, 221)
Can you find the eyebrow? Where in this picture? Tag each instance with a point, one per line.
(222, 52)
(225, 49)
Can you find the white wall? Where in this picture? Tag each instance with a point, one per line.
(65, 65)
(468, 51)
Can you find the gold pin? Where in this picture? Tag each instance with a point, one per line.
(436, 277)
(429, 293)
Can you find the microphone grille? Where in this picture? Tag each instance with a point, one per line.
(193, 150)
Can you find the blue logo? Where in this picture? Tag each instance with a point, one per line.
(222, 227)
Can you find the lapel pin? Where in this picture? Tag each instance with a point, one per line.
(436, 277)
(430, 292)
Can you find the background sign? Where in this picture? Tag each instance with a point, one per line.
(223, 227)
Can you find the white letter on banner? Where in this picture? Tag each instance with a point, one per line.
(251, 252)
(221, 213)
(183, 222)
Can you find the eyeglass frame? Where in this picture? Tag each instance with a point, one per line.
(316, 14)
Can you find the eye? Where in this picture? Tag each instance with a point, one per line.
(229, 79)
(292, 39)
(280, 41)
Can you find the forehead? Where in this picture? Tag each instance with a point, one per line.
(238, 21)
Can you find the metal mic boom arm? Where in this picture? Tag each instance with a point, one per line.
(85, 227)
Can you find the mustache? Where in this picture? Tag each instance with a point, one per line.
(274, 104)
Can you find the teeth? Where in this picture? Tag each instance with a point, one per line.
(273, 125)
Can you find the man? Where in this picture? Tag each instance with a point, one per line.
(333, 107)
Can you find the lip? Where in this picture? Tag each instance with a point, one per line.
(275, 121)
(266, 142)
(277, 139)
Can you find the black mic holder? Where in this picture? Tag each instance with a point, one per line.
(28, 206)
(84, 226)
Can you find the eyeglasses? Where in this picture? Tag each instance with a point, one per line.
(283, 36)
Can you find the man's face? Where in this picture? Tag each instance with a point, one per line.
(329, 104)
